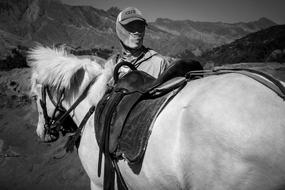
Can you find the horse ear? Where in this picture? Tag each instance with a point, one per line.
(77, 79)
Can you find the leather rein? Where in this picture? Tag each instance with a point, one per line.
(265, 79)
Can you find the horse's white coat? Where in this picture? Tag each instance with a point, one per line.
(221, 132)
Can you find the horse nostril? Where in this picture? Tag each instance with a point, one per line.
(46, 126)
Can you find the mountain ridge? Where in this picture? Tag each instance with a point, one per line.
(52, 22)
(262, 46)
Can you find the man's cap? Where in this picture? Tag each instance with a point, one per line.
(130, 14)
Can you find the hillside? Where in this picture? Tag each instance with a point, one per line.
(51, 22)
(206, 35)
(264, 45)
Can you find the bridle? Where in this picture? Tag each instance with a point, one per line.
(54, 124)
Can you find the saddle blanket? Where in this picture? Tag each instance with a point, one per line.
(137, 128)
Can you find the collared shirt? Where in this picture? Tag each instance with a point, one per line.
(147, 60)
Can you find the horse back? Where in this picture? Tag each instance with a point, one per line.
(229, 127)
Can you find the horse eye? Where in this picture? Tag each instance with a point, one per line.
(35, 97)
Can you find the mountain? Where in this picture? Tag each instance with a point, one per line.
(265, 45)
(9, 41)
(205, 35)
(50, 22)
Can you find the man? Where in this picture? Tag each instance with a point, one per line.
(130, 29)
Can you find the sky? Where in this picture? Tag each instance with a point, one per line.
(228, 11)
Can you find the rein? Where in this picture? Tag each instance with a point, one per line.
(52, 124)
(60, 107)
(49, 121)
(265, 79)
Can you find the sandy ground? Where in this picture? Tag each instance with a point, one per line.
(27, 163)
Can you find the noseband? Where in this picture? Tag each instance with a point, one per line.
(54, 124)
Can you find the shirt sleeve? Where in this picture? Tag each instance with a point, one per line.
(154, 66)
(163, 65)
(158, 69)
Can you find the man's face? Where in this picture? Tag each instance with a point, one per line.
(137, 31)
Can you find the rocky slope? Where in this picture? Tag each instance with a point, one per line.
(264, 45)
(206, 35)
(51, 22)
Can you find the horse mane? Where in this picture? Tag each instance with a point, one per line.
(59, 70)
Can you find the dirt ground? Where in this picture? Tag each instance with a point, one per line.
(27, 163)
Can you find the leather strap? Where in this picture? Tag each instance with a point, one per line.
(75, 104)
(110, 165)
(74, 138)
(124, 111)
(109, 172)
(270, 83)
(60, 107)
(261, 77)
(120, 180)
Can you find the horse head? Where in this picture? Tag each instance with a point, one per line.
(50, 110)
(58, 79)
(37, 95)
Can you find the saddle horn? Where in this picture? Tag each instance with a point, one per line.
(118, 66)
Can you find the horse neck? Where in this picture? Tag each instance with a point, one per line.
(88, 146)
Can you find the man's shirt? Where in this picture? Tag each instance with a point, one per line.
(148, 61)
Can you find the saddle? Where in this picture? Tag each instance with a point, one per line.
(124, 116)
(136, 86)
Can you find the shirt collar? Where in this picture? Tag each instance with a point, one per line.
(131, 57)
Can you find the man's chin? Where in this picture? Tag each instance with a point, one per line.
(134, 46)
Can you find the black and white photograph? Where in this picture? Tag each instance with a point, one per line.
(142, 95)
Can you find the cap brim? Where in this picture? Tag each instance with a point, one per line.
(127, 21)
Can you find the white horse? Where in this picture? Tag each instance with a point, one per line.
(223, 132)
